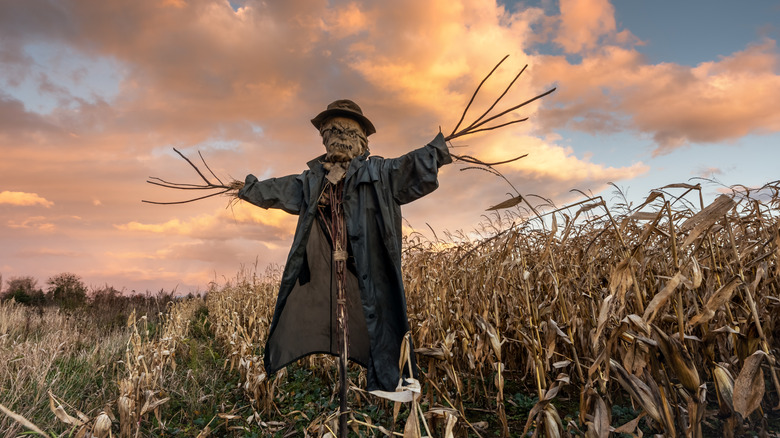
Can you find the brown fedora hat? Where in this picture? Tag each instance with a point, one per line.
(344, 108)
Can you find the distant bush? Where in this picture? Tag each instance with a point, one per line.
(23, 290)
(67, 290)
(108, 307)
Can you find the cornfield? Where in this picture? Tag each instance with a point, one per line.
(671, 307)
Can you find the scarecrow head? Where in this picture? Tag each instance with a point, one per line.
(344, 130)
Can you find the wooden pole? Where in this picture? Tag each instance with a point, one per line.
(339, 236)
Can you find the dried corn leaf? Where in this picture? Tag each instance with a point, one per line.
(509, 203)
(661, 298)
(205, 432)
(635, 358)
(760, 272)
(729, 330)
(644, 216)
(710, 213)
(412, 427)
(587, 207)
(436, 353)
(681, 186)
(449, 428)
(679, 359)
(152, 404)
(621, 279)
(102, 426)
(540, 406)
(651, 197)
(604, 313)
(749, 386)
(630, 426)
(553, 426)
(598, 427)
(402, 394)
(495, 344)
(724, 384)
(558, 331)
(704, 219)
(60, 413)
(693, 278)
(638, 390)
(21, 420)
(715, 301)
(637, 322)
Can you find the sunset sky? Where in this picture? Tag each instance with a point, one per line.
(94, 95)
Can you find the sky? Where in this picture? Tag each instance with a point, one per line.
(95, 95)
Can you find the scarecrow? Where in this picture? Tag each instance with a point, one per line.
(342, 292)
(348, 237)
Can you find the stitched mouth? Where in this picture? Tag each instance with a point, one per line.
(341, 146)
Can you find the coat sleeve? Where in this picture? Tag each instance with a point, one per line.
(415, 174)
(285, 193)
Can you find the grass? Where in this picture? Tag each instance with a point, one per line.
(49, 350)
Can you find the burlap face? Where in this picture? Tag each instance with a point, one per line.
(343, 138)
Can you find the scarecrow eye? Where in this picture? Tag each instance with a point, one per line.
(351, 133)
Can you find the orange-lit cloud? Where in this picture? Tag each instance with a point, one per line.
(583, 22)
(546, 160)
(39, 223)
(23, 199)
(53, 252)
(677, 105)
(275, 224)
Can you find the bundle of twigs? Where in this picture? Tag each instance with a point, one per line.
(231, 189)
(480, 124)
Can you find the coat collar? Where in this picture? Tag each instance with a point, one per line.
(316, 164)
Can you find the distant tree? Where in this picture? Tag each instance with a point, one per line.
(105, 295)
(23, 290)
(109, 306)
(67, 290)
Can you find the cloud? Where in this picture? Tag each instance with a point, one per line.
(16, 121)
(23, 199)
(583, 22)
(704, 171)
(54, 252)
(241, 220)
(676, 105)
(547, 160)
(39, 223)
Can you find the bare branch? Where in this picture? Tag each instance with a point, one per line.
(193, 166)
(492, 127)
(207, 167)
(471, 129)
(230, 189)
(499, 97)
(189, 200)
(475, 93)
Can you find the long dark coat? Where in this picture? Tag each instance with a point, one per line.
(304, 320)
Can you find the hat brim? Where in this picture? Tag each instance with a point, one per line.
(339, 112)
